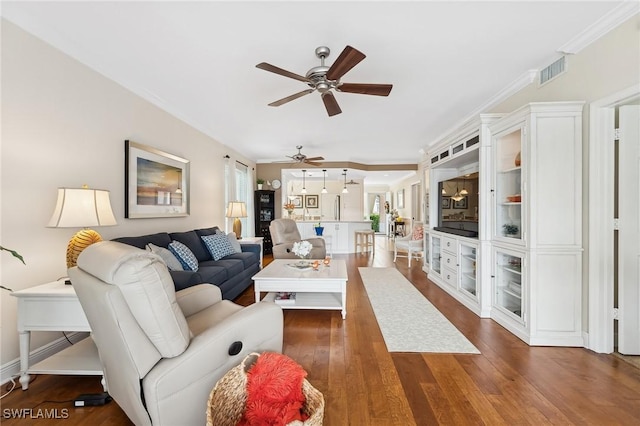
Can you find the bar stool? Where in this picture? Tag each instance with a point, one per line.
(365, 238)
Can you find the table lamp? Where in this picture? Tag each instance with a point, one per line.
(236, 210)
(81, 207)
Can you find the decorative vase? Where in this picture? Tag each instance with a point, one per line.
(259, 187)
(289, 212)
(319, 230)
(518, 160)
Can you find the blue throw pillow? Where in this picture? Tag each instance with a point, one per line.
(184, 255)
(218, 245)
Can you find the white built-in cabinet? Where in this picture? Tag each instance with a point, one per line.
(455, 267)
(537, 223)
(525, 268)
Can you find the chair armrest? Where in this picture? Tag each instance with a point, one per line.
(198, 297)
(317, 242)
(259, 327)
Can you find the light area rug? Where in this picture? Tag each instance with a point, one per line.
(408, 321)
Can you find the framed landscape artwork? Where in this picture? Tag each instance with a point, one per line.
(156, 183)
(311, 201)
(446, 202)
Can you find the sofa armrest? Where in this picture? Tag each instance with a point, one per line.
(198, 297)
(251, 248)
(185, 279)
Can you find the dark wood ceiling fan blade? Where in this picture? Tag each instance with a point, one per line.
(313, 163)
(348, 59)
(272, 68)
(331, 104)
(314, 159)
(366, 89)
(291, 98)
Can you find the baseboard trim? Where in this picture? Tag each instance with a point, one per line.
(12, 368)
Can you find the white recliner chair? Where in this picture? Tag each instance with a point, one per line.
(163, 351)
(284, 232)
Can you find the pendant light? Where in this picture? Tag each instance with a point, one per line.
(344, 190)
(457, 196)
(324, 181)
(304, 187)
(464, 190)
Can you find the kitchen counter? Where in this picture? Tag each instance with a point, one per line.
(338, 234)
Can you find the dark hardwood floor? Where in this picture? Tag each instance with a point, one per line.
(510, 383)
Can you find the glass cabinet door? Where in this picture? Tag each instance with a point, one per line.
(508, 185)
(508, 283)
(435, 254)
(468, 269)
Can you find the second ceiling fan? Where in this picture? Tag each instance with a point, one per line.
(323, 79)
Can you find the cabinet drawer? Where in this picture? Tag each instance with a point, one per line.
(449, 260)
(450, 277)
(450, 244)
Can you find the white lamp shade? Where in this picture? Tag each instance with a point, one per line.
(82, 208)
(237, 209)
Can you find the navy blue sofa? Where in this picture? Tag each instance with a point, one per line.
(231, 273)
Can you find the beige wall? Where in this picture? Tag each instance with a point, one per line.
(65, 125)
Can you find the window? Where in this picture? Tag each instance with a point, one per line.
(238, 179)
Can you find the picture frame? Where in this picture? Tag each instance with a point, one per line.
(156, 183)
(311, 201)
(462, 204)
(446, 202)
(400, 196)
(297, 201)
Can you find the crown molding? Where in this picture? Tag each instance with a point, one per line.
(602, 26)
(512, 88)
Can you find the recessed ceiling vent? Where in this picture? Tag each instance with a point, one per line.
(553, 70)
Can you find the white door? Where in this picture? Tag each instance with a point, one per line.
(629, 231)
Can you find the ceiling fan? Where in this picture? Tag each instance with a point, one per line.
(323, 79)
(303, 159)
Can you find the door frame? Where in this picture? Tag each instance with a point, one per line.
(599, 252)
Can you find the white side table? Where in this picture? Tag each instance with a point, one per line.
(255, 240)
(55, 307)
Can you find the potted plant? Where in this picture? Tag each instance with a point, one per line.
(510, 230)
(319, 229)
(260, 182)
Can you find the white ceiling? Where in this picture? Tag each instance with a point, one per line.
(197, 61)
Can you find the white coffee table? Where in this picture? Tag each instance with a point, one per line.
(325, 288)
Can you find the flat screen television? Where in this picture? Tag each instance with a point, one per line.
(458, 206)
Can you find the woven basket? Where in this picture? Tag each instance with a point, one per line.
(228, 398)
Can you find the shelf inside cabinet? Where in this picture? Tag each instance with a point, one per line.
(513, 268)
(511, 170)
(470, 275)
(512, 293)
